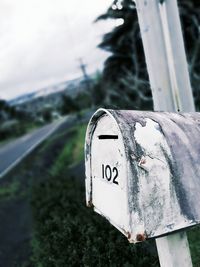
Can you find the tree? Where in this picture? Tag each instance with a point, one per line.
(125, 73)
(190, 18)
(3, 104)
(69, 105)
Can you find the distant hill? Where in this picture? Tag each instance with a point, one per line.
(51, 97)
(68, 87)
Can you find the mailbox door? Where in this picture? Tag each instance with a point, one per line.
(109, 178)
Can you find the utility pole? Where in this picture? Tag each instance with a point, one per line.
(87, 80)
(85, 75)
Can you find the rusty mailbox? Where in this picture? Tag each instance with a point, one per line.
(143, 170)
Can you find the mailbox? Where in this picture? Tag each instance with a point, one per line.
(143, 170)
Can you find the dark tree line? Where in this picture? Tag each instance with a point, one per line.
(190, 17)
(125, 80)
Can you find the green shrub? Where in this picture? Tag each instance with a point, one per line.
(194, 242)
(9, 190)
(73, 152)
(69, 234)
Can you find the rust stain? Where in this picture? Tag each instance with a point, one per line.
(141, 237)
(128, 235)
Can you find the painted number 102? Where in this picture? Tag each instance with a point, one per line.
(110, 174)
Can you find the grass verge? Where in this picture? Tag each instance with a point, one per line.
(9, 190)
(73, 151)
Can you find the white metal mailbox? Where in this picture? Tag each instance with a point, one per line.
(143, 170)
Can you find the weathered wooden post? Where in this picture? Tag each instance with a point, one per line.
(168, 73)
(135, 175)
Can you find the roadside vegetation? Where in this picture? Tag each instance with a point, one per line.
(72, 152)
(64, 232)
(15, 122)
(9, 190)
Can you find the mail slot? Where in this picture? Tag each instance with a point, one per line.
(143, 171)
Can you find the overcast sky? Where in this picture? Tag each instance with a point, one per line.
(42, 40)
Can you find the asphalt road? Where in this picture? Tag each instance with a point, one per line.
(12, 153)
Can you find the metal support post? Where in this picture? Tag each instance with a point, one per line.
(173, 250)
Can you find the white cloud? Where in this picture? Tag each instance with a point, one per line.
(41, 41)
